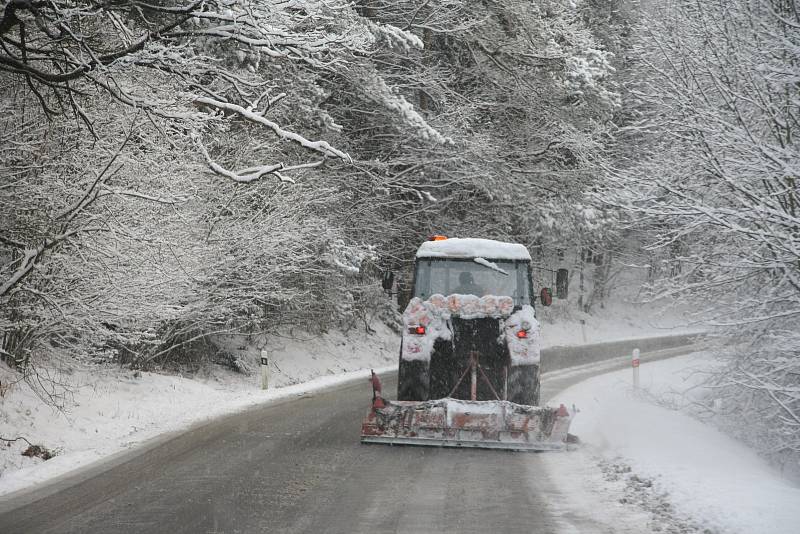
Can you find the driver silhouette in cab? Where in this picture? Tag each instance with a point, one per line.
(467, 285)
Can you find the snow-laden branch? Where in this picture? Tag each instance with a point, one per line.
(248, 175)
(318, 146)
(28, 261)
(11, 242)
(136, 194)
(772, 390)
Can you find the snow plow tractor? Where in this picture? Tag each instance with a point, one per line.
(469, 356)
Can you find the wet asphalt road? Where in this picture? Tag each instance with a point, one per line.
(299, 467)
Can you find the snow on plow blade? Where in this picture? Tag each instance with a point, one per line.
(461, 423)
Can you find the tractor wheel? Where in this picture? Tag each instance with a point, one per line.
(413, 382)
(523, 384)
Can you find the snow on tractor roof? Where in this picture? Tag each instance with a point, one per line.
(473, 248)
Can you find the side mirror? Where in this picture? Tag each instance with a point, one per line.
(387, 281)
(546, 296)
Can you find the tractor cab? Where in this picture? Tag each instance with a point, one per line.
(475, 275)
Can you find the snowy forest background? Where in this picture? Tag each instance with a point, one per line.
(172, 170)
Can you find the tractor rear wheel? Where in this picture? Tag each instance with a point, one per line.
(523, 384)
(413, 383)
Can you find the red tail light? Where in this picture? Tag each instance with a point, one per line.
(522, 334)
(417, 330)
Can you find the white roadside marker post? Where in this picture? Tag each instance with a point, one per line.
(635, 363)
(264, 370)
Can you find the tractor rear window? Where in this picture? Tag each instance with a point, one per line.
(473, 277)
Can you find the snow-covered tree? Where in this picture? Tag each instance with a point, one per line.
(717, 181)
(178, 169)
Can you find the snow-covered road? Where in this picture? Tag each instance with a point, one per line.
(296, 466)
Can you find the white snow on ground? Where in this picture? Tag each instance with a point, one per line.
(642, 452)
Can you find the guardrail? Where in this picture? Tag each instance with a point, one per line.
(556, 358)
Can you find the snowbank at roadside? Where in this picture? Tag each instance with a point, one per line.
(643, 450)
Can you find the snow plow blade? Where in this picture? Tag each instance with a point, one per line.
(461, 423)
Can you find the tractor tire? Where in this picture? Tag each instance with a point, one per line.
(524, 385)
(443, 370)
(413, 383)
